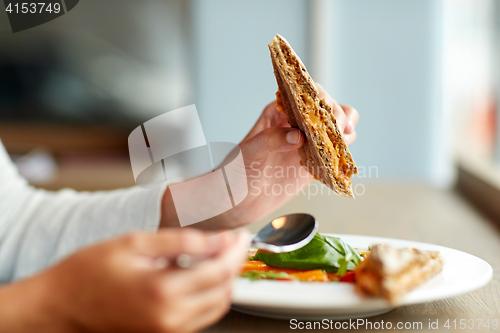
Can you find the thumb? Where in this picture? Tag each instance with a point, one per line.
(272, 140)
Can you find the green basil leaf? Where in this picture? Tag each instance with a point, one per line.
(328, 253)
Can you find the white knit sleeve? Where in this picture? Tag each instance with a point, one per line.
(38, 227)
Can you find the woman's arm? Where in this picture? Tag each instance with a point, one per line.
(38, 227)
(273, 171)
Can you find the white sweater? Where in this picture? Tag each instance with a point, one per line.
(38, 227)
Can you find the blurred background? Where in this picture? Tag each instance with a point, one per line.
(423, 74)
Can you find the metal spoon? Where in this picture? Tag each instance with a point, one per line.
(286, 233)
(283, 234)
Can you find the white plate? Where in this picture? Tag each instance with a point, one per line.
(461, 273)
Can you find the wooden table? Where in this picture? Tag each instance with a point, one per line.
(406, 211)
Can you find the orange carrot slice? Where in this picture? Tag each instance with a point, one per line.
(316, 275)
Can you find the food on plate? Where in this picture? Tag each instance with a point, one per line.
(383, 271)
(324, 154)
(328, 253)
(390, 272)
(274, 273)
(324, 258)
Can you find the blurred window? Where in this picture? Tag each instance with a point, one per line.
(471, 70)
(120, 65)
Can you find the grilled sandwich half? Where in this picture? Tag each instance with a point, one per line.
(324, 154)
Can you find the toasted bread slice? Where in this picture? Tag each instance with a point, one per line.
(324, 154)
(390, 272)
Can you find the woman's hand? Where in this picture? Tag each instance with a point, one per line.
(272, 160)
(272, 166)
(117, 286)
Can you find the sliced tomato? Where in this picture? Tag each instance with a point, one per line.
(348, 277)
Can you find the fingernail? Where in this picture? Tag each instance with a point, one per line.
(349, 127)
(229, 236)
(293, 136)
(350, 123)
(221, 239)
(214, 240)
